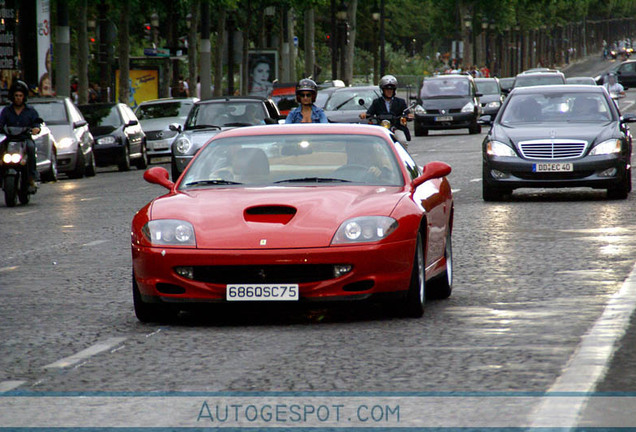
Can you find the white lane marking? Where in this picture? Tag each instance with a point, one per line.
(90, 199)
(475, 180)
(627, 105)
(7, 269)
(84, 354)
(455, 190)
(95, 243)
(26, 212)
(6, 386)
(590, 361)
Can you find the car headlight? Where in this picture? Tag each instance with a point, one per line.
(469, 107)
(169, 232)
(496, 148)
(607, 147)
(420, 110)
(493, 104)
(364, 229)
(106, 140)
(183, 145)
(65, 143)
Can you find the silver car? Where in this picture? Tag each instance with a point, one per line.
(74, 141)
(155, 116)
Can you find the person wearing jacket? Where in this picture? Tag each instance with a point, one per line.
(389, 103)
(307, 111)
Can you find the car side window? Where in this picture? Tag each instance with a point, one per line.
(407, 160)
(628, 68)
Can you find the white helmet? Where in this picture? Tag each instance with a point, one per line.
(388, 81)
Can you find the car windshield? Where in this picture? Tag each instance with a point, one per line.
(506, 83)
(556, 107)
(315, 159)
(487, 87)
(51, 113)
(349, 99)
(447, 87)
(533, 80)
(226, 114)
(581, 80)
(161, 110)
(101, 115)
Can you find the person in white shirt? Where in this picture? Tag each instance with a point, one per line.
(613, 87)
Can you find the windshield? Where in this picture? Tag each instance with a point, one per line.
(161, 110)
(487, 87)
(451, 87)
(226, 114)
(533, 80)
(51, 113)
(293, 159)
(101, 115)
(556, 107)
(349, 99)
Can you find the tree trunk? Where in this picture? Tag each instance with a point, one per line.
(82, 55)
(205, 71)
(245, 75)
(195, 6)
(310, 40)
(124, 50)
(218, 52)
(350, 47)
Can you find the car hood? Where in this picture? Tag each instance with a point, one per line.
(61, 131)
(199, 137)
(446, 103)
(220, 219)
(157, 124)
(590, 132)
(489, 98)
(346, 116)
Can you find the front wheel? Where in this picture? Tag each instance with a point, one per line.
(80, 166)
(419, 130)
(51, 174)
(91, 170)
(142, 162)
(124, 161)
(10, 191)
(175, 170)
(23, 191)
(416, 295)
(474, 128)
(149, 312)
(442, 286)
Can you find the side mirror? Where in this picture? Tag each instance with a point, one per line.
(160, 176)
(361, 102)
(432, 170)
(175, 127)
(629, 118)
(132, 123)
(479, 95)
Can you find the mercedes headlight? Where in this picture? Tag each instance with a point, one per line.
(65, 143)
(169, 232)
(364, 229)
(469, 107)
(607, 147)
(420, 110)
(106, 140)
(496, 148)
(183, 145)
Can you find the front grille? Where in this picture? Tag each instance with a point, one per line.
(553, 149)
(253, 274)
(448, 111)
(160, 134)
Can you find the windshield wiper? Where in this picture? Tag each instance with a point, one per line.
(344, 103)
(238, 124)
(203, 126)
(314, 179)
(212, 182)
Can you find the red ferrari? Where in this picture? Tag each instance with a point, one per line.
(295, 213)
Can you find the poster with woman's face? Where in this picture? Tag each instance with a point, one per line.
(262, 67)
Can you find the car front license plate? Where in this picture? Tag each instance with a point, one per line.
(161, 159)
(553, 167)
(444, 118)
(262, 292)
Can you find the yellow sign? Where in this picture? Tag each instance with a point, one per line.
(144, 85)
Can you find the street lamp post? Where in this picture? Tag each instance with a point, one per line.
(341, 16)
(154, 22)
(468, 24)
(375, 14)
(382, 38)
(483, 57)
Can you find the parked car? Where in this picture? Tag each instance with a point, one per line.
(155, 116)
(345, 104)
(74, 141)
(207, 118)
(295, 213)
(542, 77)
(447, 102)
(46, 151)
(491, 98)
(625, 72)
(580, 81)
(119, 139)
(558, 136)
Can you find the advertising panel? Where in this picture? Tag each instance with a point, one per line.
(144, 85)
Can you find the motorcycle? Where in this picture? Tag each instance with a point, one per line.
(391, 121)
(14, 172)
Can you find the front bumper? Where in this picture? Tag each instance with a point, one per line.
(452, 121)
(107, 154)
(376, 269)
(599, 172)
(160, 148)
(181, 162)
(66, 160)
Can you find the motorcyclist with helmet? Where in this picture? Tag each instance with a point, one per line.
(19, 114)
(389, 103)
(307, 111)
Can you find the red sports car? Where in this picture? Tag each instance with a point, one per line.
(296, 213)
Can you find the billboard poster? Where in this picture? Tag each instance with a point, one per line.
(144, 85)
(262, 66)
(45, 52)
(8, 46)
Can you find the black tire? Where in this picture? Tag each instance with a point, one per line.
(150, 312)
(175, 171)
(80, 166)
(474, 128)
(124, 161)
(491, 194)
(416, 294)
(23, 192)
(91, 170)
(142, 162)
(419, 130)
(442, 286)
(10, 187)
(621, 191)
(51, 174)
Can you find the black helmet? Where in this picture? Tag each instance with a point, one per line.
(306, 84)
(20, 86)
(388, 81)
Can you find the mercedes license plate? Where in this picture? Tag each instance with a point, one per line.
(267, 292)
(444, 118)
(553, 167)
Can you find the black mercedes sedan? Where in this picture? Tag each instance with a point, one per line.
(558, 136)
